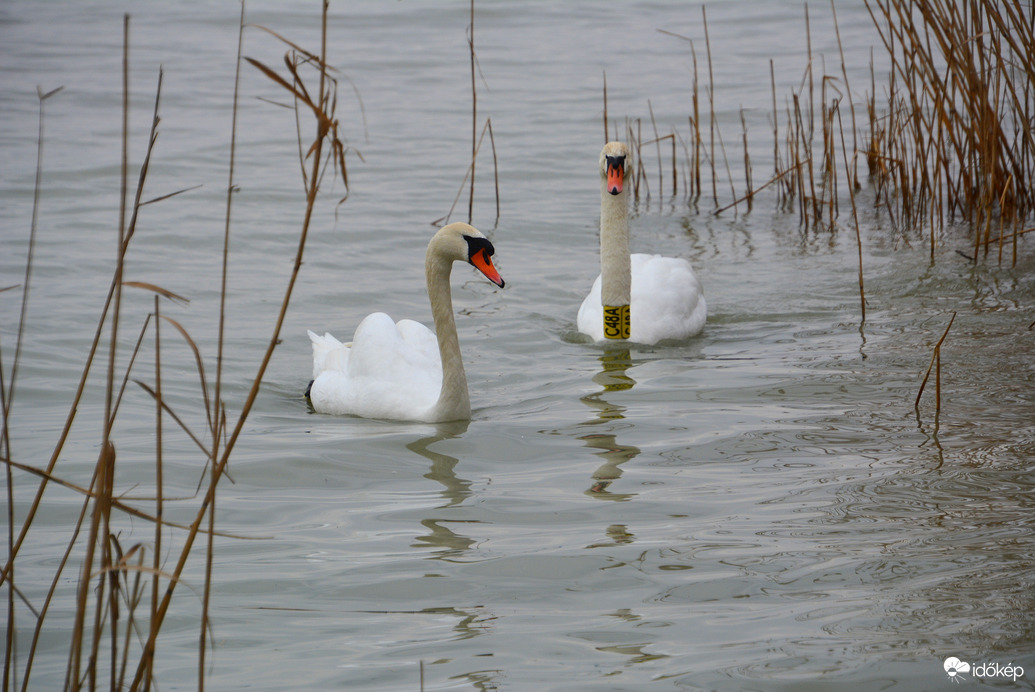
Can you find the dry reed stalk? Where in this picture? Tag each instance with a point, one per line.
(7, 387)
(104, 470)
(687, 173)
(776, 131)
(470, 171)
(802, 164)
(633, 143)
(828, 183)
(474, 115)
(851, 172)
(495, 170)
(634, 140)
(671, 138)
(693, 153)
(746, 198)
(216, 421)
(936, 364)
(156, 553)
(726, 163)
(675, 175)
(806, 128)
(749, 194)
(696, 127)
(695, 177)
(657, 142)
(810, 72)
(854, 175)
(641, 168)
(711, 103)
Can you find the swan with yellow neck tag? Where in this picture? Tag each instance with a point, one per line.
(638, 297)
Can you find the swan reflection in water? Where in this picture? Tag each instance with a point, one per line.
(447, 543)
(612, 378)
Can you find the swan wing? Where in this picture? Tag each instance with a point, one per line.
(667, 299)
(590, 320)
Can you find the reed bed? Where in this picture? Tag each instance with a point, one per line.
(957, 142)
(946, 141)
(124, 585)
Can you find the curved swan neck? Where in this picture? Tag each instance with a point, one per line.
(615, 270)
(453, 401)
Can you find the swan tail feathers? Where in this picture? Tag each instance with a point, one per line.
(328, 353)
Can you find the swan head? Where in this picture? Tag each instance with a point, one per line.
(615, 166)
(461, 242)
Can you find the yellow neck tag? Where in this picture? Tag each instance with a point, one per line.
(616, 322)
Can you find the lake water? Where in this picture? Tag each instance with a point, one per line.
(758, 508)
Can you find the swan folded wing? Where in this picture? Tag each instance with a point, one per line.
(420, 339)
(667, 299)
(394, 370)
(590, 319)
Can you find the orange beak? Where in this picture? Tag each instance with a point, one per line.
(615, 176)
(483, 263)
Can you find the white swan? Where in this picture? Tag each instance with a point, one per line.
(402, 371)
(641, 298)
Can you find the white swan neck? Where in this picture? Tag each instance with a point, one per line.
(615, 269)
(453, 401)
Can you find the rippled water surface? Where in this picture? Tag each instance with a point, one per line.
(760, 507)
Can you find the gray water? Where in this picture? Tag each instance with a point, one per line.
(759, 507)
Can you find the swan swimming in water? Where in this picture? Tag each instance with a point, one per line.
(404, 371)
(640, 298)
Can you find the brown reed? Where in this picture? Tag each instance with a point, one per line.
(956, 141)
(476, 143)
(949, 141)
(936, 365)
(122, 597)
(474, 115)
